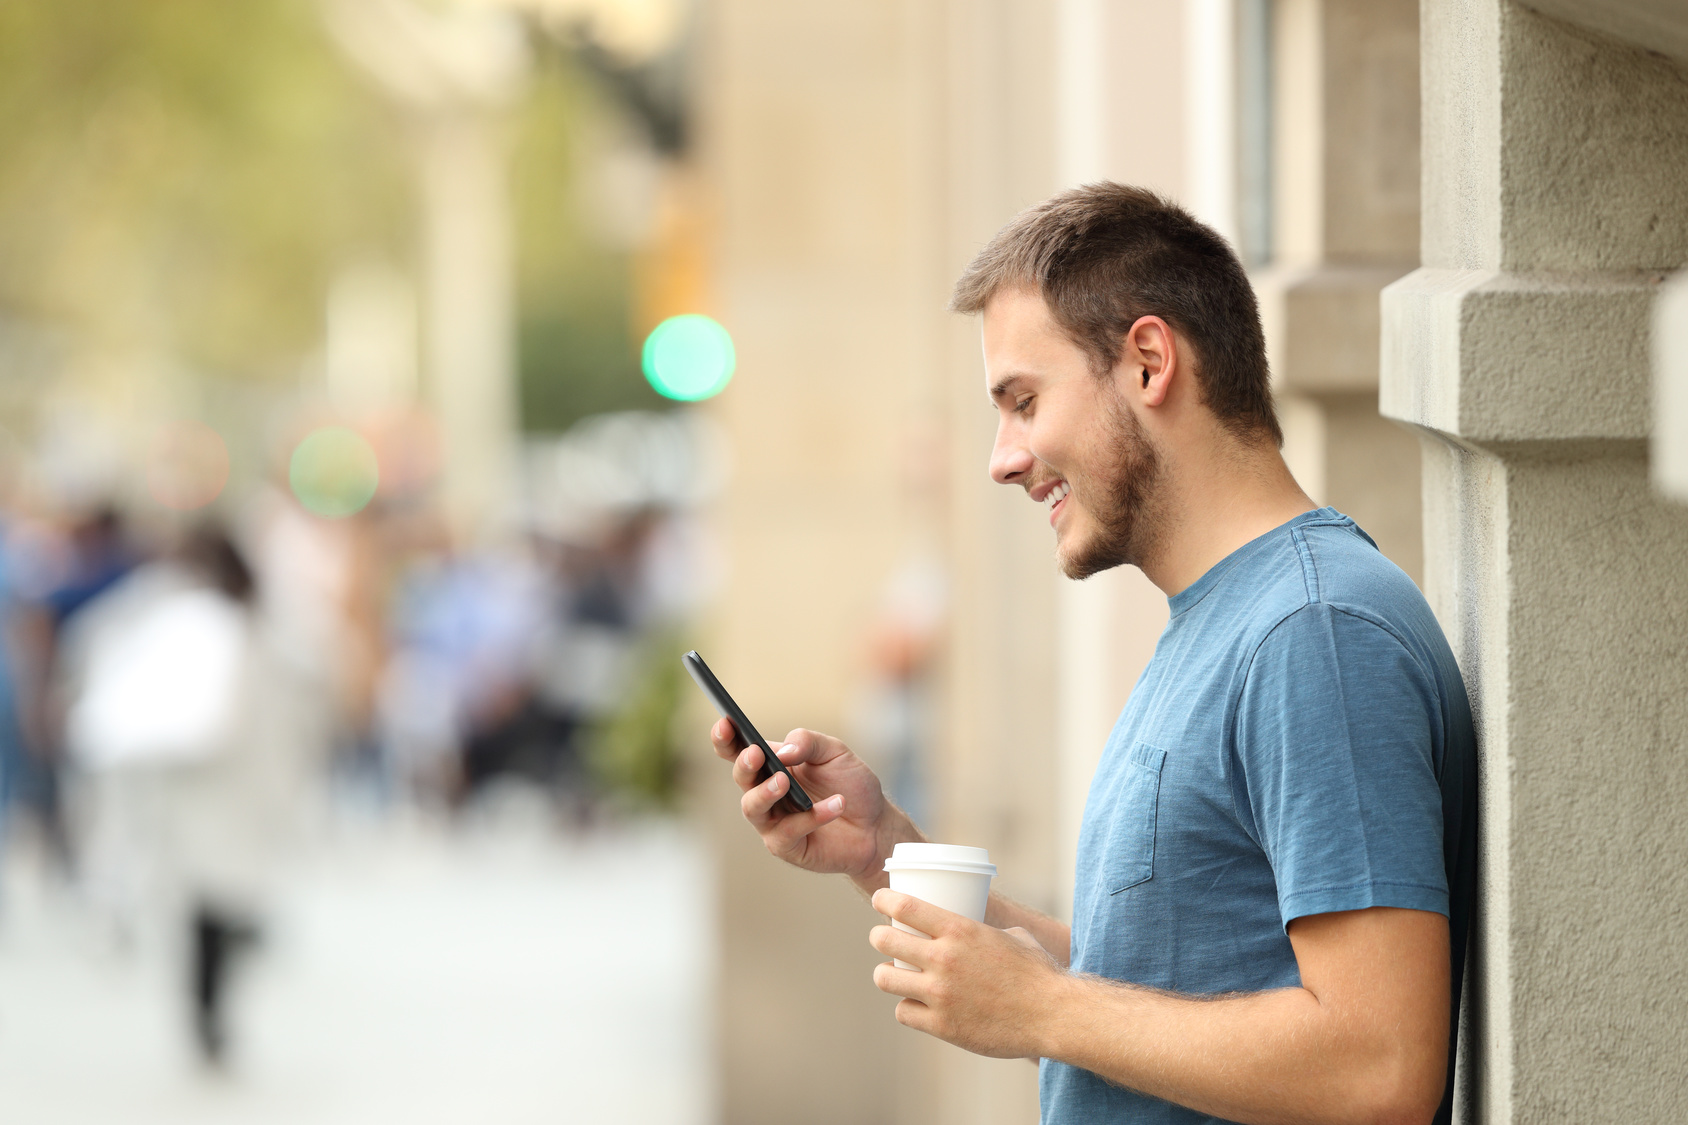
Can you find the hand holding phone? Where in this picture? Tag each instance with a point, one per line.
(850, 831)
(795, 800)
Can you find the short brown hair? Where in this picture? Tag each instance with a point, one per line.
(1104, 255)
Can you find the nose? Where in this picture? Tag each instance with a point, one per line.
(1010, 459)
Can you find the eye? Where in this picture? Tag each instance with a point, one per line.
(1021, 405)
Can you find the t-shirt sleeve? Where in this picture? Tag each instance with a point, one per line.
(1336, 767)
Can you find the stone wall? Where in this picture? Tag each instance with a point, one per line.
(1555, 200)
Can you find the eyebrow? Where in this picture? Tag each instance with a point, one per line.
(1002, 386)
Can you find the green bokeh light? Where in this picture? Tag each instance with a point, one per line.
(333, 472)
(689, 358)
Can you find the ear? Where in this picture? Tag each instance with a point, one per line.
(1151, 360)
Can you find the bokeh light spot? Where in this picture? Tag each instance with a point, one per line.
(689, 357)
(187, 465)
(333, 472)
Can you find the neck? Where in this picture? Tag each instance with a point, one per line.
(1217, 504)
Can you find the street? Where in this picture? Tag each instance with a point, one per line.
(407, 974)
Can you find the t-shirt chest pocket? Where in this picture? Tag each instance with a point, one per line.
(1130, 856)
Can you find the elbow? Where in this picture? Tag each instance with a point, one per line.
(1405, 1091)
(1405, 1111)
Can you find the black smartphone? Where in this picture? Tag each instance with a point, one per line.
(795, 799)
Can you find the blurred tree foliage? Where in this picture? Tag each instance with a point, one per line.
(633, 752)
(184, 176)
(574, 286)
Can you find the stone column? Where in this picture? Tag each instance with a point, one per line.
(1555, 196)
(1345, 205)
(1670, 389)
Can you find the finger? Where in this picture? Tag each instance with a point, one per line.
(918, 913)
(758, 800)
(784, 835)
(809, 747)
(901, 982)
(900, 944)
(724, 737)
(747, 767)
(912, 1013)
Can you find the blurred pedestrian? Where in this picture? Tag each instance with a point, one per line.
(185, 723)
(11, 737)
(70, 571)
(457, 694)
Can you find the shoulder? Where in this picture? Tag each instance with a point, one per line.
(1361, 625)
(1318, 565)
(1342, 566)
(1350, 577)
(1317, 580)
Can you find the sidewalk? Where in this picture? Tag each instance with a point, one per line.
(410, 977)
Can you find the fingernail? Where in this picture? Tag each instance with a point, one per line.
(835, 803)
(776, 782)
(787, 750)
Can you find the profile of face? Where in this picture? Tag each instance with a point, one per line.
(1069, 437)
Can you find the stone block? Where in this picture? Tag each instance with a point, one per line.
(1495, 357)
(1549, 147)
(1322, 326)
(1657, 25)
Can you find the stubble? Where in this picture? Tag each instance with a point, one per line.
(1123, 501)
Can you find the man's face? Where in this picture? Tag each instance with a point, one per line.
(1068, 437)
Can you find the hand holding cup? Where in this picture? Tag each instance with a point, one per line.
(949, 876)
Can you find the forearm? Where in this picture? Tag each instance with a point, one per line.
(1259, 1058)
(1051, 933)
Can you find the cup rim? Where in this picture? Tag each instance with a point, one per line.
(934, 865)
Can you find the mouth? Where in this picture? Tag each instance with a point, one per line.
(1056, 498)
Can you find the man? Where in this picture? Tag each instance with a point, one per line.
(1261, 922)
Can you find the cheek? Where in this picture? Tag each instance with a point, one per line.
(1052, 438)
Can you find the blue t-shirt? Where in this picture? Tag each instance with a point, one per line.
(1288, 751)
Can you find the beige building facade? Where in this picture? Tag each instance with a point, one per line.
(856, 156)
(1345, 203)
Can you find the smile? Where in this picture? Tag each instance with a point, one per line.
(1056, 498)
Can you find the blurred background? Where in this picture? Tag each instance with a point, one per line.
(346, 553)
(391, 390)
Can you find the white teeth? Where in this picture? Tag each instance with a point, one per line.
(1058, 493)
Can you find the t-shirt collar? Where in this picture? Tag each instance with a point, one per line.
(1199, 589)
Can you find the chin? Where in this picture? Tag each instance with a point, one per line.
(1097, 547)
(1081, 560)
(1083, 567)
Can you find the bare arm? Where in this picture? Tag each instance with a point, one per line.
(1364, 1039)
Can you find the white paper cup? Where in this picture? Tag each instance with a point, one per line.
(950, 876)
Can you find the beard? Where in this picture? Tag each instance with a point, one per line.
(1121, 501)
